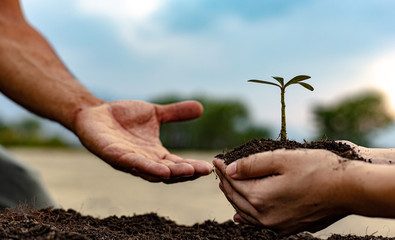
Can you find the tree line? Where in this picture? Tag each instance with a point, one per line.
(224, 124)
(227, 123)
(28, 132)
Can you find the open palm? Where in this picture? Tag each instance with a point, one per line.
(125, 134)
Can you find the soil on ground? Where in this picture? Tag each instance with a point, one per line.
(61, 224)
(25, 223)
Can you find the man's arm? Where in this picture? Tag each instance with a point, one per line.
(32, 75)
(305, 190)
(125, 134)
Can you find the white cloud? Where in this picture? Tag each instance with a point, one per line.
(131, 20)
(120, 10)
(332, 42)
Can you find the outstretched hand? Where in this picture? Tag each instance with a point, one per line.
(286, 190)
(125, 134)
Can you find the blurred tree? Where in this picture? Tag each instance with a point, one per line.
(224, 124)
(354, 119)
(28, 129)
(7, 135)
(27, 132)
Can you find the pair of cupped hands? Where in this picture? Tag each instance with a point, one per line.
(290, 191)
(285, 190)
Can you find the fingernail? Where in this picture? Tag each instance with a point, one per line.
(231, 169)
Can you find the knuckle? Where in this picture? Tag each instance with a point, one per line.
(246, 165)
(243, 167)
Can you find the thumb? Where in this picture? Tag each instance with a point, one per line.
(179, 111)
(253, 166)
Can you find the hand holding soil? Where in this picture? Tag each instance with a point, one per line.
(125, 134)
(285, 190)
(374, 155)
(305, 190)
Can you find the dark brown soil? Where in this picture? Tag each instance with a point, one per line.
(60, 224)
(25, 223)
(263, 145)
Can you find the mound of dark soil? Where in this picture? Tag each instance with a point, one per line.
(60, 224)
(263, 145)
(51, 224)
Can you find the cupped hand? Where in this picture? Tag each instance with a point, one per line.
(287, 191)
(125, 134)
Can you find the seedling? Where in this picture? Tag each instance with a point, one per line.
(296, 80)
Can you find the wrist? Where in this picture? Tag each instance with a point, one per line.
(76, 106)
(371, 190)
(386, 155)
(352, 192)
(339, 188)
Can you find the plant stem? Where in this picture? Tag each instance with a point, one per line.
(283, 121)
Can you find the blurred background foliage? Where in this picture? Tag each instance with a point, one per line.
(224, 124)
(227, 123)
(28, 132)
(356, 119)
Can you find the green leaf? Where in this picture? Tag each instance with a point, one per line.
(280, 80)
(300, 78)
(297, 79)
(264, 82)
(308, 86)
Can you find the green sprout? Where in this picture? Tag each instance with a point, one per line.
(296, 80)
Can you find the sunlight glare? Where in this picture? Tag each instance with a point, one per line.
(383, 75)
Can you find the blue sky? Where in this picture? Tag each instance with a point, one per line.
(133, 49)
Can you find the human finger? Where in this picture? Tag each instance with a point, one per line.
(245, 217)
(181, 170)
(170, 180)
(201, 167)
(237, 185)
(175, 177)
(179, 111)
(219, 165)
(239, 219)
(239, 202)
(135, 163)
(254, 166)
(185, 169)
(147, 177)
(180, 179)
